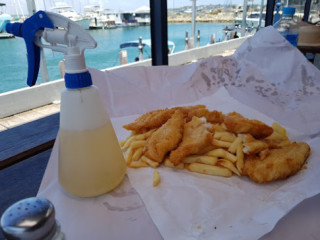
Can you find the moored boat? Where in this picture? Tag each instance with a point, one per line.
(67, 11)
(4, 18)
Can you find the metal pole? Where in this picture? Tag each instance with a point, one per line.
(31, 6)
(269, 12)
(194, 11)
(159, 32)
(43, 67)
(244, 18)
(306, 11)
(260, 14)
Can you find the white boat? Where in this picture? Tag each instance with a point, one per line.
(142, 15)
(146, 48)
(101, 19)
(128, 19)
(67, 11)
(252, 20)
(4, 18)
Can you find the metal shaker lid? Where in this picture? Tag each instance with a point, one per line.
(30, 218)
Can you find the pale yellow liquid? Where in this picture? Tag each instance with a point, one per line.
(90, 162)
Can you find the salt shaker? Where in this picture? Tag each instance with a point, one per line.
(31, 218)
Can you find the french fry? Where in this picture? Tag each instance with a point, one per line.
(217, 128)
(121, 143)
(139, 137)
(138, 164)
(128, 156)
(224, 136)
(227, 164)
(210, 170)
(143, 136)
(222, 154)
(156, 178)
(169, 164)
(223, 126)
(150, 162)
(201, 159)
(254, 147)
(148, 134)
(240, 157)
(219, 143)
(234, 146)
(127, 143)
(138, 144)
(137, 154)
(279, 129)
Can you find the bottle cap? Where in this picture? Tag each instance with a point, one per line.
(288, 10)
(78, 80)
(30, 218)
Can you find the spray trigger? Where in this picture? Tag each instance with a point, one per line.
(27, 30)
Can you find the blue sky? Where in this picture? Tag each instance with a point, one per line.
(123, 5)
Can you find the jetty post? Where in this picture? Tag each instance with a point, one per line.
(212, 38)
(140, 49)
(186, 40)
(123, 55)
(198, 38)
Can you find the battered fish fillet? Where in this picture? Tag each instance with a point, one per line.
(196, 138)
(165, 138)
(212, 117)
(157, 118)
(150, 120)
(279, 164)
(236, 123)
(276, 140)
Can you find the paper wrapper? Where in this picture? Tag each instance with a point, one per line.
(188, 205)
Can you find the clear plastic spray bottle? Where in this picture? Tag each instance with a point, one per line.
(90, 159)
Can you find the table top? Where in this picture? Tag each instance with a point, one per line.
(309, 38)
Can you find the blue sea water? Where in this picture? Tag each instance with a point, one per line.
(13, 60)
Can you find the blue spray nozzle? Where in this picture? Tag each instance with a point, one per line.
(27, 30)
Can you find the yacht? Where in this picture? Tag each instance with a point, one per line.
(101, 18)
(128, 19)
(252, 20)
(142, 15)
(65, 10)
(145, 46)
(4, 18)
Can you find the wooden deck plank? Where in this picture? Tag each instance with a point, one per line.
(26, 140)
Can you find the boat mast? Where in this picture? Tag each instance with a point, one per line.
(260, 15)
(19, 4)
(15, 8)
(31, 6)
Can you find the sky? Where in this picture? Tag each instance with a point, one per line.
(14, 7)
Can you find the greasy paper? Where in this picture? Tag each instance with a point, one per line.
(266, 79)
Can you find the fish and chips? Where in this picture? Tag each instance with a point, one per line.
(213, 143)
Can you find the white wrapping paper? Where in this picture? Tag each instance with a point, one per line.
(266, 79)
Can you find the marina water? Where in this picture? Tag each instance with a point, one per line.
(13, 60)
